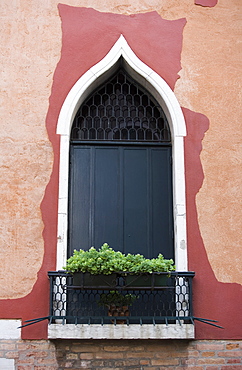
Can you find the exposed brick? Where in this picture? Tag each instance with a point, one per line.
(66, 348)
(39, 345)
(191, 345)
(45, 368)
(12, 354)
(37, 354)
(144, 362)
(165, 361)
(209, 361)
(178, 354)
(131, 362)
(24, 356)
(72, 356)
(121, 348)
(209, 346)
(230, 346)
(7, 346)
(230, 354)
(234, 361)
(68, 364)
(208, 354)
(87, 356)
(112, 368)
(86, 348)
(83, 364)
(103, 355)
(193, 353)
(189, 361)
(130, 355)
(42, 354)
(124, 364)
(159, 347)
(139, 355)
(24, 346)
(26, 361)
(46, 361)
(98, 363)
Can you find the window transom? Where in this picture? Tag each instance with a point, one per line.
(121, 110)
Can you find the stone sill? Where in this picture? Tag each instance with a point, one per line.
(121, 331)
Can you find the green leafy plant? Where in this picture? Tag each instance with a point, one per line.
(107, 261)
(102, 261)
(116, 298)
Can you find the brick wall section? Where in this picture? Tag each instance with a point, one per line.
(123, 354)
(30, 355)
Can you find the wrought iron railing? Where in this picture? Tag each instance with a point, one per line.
(154, 302)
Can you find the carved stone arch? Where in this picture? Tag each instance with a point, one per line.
(146, 77)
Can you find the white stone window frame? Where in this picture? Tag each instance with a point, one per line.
(168, 101)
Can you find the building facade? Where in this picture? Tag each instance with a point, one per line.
(58, 62)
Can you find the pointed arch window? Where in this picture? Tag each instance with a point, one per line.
(161, 93)
(120, 171)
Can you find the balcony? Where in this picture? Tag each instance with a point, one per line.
(161, 307)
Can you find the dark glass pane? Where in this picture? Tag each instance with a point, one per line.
(122, 97)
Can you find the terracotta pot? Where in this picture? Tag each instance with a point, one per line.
(114, 310)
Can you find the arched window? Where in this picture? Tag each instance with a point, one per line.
(108, 131)
(120, 171)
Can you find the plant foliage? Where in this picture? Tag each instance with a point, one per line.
(107, 261)
(116, 298)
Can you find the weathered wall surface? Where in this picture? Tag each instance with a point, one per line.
(28, 59)
(209, 84)
(150, 354)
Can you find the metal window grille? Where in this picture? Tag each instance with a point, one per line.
(121, 110)
(154, 304)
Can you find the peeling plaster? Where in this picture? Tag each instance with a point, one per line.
(207, 3)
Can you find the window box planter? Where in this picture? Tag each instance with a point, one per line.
(88, 280)
(145, 280)
(87, 267)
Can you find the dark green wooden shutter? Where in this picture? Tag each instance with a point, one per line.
(121, 195)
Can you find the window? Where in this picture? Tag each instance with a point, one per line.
(160, 92)
(120, 171)
(97, 149)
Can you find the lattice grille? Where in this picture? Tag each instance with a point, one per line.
(121, 110)
(162, 303)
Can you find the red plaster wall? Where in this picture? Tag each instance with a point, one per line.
(211, 299)
(87, 37)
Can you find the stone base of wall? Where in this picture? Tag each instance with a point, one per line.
(120, 354)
